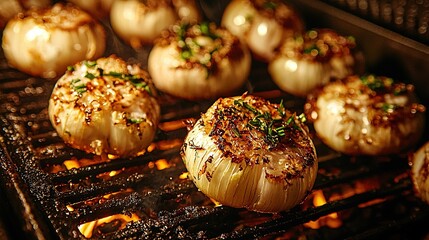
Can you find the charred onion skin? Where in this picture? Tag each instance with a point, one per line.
(311, 60)
(234, 159)
(43, 42)
(419, 162)
(262, 24)
(139, 22)
(199, 61)
(105, 107)
(367, 115)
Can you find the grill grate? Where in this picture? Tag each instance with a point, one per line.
(371, 197)
(407, 17)
(170, 207)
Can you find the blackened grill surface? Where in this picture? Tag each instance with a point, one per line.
(44, 200)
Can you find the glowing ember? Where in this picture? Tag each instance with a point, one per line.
(71, 164)
(172, 125)
(169, 144)
(184, 175)
(106, 224)
(330, 220)
(160, 164)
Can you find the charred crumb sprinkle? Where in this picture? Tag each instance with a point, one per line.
(376, 89)
(216, 44)
(249, 125)
(320, 45)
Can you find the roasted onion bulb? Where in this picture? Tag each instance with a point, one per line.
(140, 22)
(43, 42)
(199, 61)
(105, 107)
(419, 161)
(246, 152)
(306, 62)
(368, 115)
(262, 24)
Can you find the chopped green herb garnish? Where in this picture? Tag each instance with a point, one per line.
(281, 109)
(386, 107)
(135, 120)
(90, 75)
(236, 132)
(70, 68)
(270, 5)
(274, 128)
(90, 64)
(77, 86)
(311, 49)
(186, 54)
(205, 30)
(376, 83)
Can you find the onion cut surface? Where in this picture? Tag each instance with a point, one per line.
(199, 61)
(140, 22)
(105, 107)
(246, 152)
(419, 161)
(43, 42)
(262, 25)
(306, 62)
(368, 115)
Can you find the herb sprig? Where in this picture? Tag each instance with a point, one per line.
(376, 83)
(137, 81)
(190, 49)
(273, 128)
(78, 86)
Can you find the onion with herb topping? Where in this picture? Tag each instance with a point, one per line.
(140, 22)
(249, 153)
(306, 62)
(105, 107)
(419, 162)
(368, 115)
(262, 24)
(43, 42)
(199, 61)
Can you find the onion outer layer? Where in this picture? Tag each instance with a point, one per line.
(419, 161)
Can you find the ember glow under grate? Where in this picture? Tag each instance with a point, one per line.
(56, 192)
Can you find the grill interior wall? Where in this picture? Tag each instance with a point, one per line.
(168, 204)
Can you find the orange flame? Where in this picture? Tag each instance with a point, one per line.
(332, 220)
(87, 229)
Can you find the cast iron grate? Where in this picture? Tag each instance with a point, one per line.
(167, 205)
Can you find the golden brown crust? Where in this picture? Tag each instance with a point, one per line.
(374, 93)
(318, 45)
(220, 44)
(106, 84)
(254, 131)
